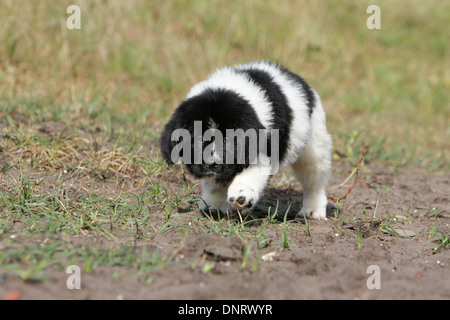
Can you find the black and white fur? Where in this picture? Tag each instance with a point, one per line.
(257, 95)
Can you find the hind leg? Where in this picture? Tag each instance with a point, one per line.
(313, 168)
(314, 179)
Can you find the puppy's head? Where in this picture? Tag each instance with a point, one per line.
(199, 135)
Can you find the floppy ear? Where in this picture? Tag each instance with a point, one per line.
(166, 142)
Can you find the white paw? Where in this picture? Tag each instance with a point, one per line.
(223, 207)
(315, 213)
(242, 197)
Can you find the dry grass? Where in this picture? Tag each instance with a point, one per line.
(81, 111)
(135, 60)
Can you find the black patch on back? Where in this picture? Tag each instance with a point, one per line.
(303, 86)
(282, 113)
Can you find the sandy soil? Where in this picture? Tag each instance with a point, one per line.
(327, 264)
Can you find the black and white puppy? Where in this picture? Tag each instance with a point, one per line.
(239, 126)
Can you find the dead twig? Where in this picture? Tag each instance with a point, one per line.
(334, 199)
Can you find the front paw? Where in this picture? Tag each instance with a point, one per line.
(223, 207)
(242, 197)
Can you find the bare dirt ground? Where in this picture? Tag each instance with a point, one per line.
(326, 264)
(397, 227)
